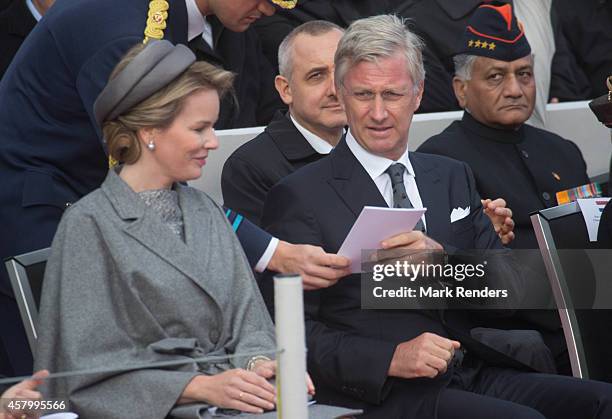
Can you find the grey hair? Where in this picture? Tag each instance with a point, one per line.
(378, 37)
(464, 63)
(463, 66)
(312, 28)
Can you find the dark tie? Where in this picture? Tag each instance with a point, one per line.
(400, 197)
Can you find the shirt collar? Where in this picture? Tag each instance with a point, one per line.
(373, 164)
(320, 145)
(196, 22)
(34, 10)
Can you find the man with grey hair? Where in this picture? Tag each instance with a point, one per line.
(309, 131)
(403, 363)
(494, 82)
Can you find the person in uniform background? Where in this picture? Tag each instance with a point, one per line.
(494, 83)
(441, 23)
(17, 19)
(524, 165)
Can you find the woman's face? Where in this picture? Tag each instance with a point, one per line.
(182, 148)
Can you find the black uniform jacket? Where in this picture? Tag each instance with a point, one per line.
(350, 349)
(525, 167)
(441, 22)
(16, 22)
(438, 96)
(251, 171)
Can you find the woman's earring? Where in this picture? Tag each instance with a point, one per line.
(151, 145)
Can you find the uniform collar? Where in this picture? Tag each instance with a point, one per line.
(196, 22)
(499, 135)
(34, 10)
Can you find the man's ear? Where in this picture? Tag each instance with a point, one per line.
(460, 88)
(419, 96)
(283, 89)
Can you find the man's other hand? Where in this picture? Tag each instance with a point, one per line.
(427, 355)
(317, 268)
(501, 217)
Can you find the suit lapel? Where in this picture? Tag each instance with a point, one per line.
(141, 223)
(434, 196)
(351, 182)
(290, 141)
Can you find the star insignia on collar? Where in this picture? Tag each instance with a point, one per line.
(492, 46)
(477, 44)
(471, 43)
(485, 45)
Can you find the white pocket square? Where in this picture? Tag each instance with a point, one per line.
(459, 213)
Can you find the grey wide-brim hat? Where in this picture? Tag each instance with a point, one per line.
(158, 64)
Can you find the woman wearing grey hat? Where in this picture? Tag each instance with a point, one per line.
(145, 269)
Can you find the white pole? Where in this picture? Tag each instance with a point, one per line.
(290, 338)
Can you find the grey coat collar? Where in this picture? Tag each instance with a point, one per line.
(142, 223)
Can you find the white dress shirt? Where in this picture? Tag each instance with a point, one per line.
(197, 24)
(33, 10)
(376, 167)
(320, 145)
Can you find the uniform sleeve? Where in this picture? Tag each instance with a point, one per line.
(92, 318)
(94, 74)
(254, 240)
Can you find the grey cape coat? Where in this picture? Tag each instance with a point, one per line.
(121, 289)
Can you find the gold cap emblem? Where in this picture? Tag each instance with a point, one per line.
(285, 4)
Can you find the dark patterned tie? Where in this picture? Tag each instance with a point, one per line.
(400, 197)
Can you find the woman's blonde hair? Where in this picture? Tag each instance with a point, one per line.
(159, 109)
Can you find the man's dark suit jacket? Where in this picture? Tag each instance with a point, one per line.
(254, 168)
(349, 349)
(16, 22)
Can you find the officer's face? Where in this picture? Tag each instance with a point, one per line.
(379, 99)
(310, 91)
(500, 94)
(237, 15)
